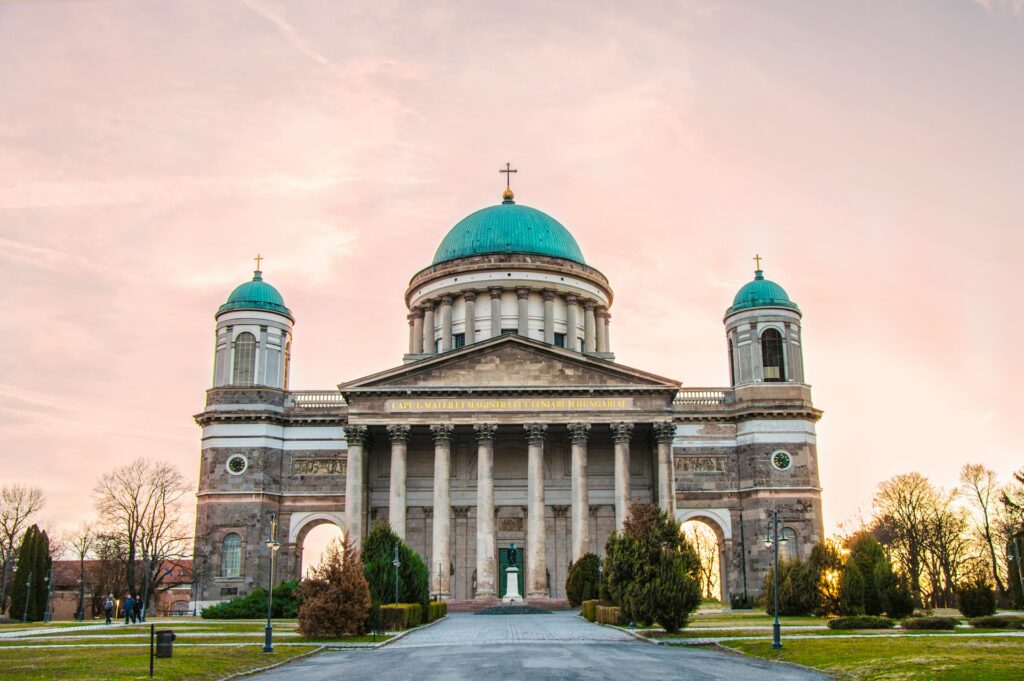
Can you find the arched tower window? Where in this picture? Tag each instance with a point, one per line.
(231, 555)
(788, 547)
(771, 356)
(244, 368)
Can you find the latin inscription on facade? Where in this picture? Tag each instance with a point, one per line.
(318, 467)
(510, 524)
(700, 464)
(510, 404)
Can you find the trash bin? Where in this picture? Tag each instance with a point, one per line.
(165, 643)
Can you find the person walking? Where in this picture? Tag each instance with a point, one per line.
(129, 610)
(138, 611)
(108, 607)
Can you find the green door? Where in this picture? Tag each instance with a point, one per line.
(503, 563)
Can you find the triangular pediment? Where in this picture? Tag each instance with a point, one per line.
(508, 363)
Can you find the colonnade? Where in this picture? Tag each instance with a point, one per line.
(488, 581)
(596, 320)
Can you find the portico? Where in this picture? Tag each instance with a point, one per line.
(580, 432)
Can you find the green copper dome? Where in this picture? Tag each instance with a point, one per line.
(761, 293)
(509, 228)
(256, 295)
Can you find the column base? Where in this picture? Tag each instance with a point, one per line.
(485, 596)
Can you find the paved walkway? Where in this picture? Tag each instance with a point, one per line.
(559, 646)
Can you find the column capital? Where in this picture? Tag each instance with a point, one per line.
(442, 433)
(589, 305)
(417, 311)
(622, 432)
(398, 433)
(523, 293)
(602, 312)
(579, 432)
(664, 431)
(495, 291)
(535, 432)
(485, 432)
(470, 296)
(411, 318)
(570, 299)
(446, 300)
(355, 435)
(548, 293)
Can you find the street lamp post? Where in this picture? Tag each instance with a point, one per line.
(48, 613)
(273, 545)
(28, 597)
(772, 540)
(397, 563)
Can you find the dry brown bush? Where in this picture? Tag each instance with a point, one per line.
(336, 596)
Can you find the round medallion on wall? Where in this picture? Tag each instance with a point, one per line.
(781, 460)
(237, 464)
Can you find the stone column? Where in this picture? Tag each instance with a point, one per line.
(608, 330)
(399, 436)
(428, 329)
(571, 313)
(756, 360)
(524, 311)
(488, 582)
(469, 323)
(495, 310)
(621, 433)
(446, 323)
(355, 436)
(536, 564)
(411, 327)
(578, 432)
(441, 553)
(664, 433)
(549, 316)
(589, 336)
(417, 331)
(602, 329)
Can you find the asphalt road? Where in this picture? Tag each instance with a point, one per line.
(538, 648)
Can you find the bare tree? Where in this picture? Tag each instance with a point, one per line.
(18, 503)
(903, 506)
(139, 508)
(948, 550)
(981, 487)
(704, 541)
(81, 541)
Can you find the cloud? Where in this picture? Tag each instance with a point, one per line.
(1015, 7)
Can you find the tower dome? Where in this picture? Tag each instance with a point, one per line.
(761, 292)
(256, 295)
(508, 228)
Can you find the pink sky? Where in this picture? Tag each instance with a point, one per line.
(873, 153)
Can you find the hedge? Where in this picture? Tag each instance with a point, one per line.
(436, 610)
(861, 622)
(253, 605)
(609, 614)
(401, 616)
(930, 623)
(998, 622)
(589, 609)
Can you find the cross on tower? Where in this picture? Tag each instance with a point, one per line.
(757, 261)
(258, 259)
(508, 170)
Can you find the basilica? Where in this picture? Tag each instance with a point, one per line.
(508, 420)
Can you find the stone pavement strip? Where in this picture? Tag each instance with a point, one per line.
(466, 647)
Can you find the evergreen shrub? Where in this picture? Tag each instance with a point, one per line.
(583, 581)
(335, 596)
(286, 602)
(609, 614)
(401, 616)
(589, 609)
(997, 622)
(976, 598)
(436, 610)
(861, 622)
(929, 623)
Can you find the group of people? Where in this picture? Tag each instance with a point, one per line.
(132, 609)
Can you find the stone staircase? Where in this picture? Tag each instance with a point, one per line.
(474, 605)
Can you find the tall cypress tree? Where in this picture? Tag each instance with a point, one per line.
(23, 572)
(40, 584)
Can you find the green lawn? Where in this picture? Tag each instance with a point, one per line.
(94, 664)
(950, 658)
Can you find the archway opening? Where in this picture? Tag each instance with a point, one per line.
(708, 545)
(315, 542)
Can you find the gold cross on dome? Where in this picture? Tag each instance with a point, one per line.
(508, 170)
(757, 260)
(258, 259)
